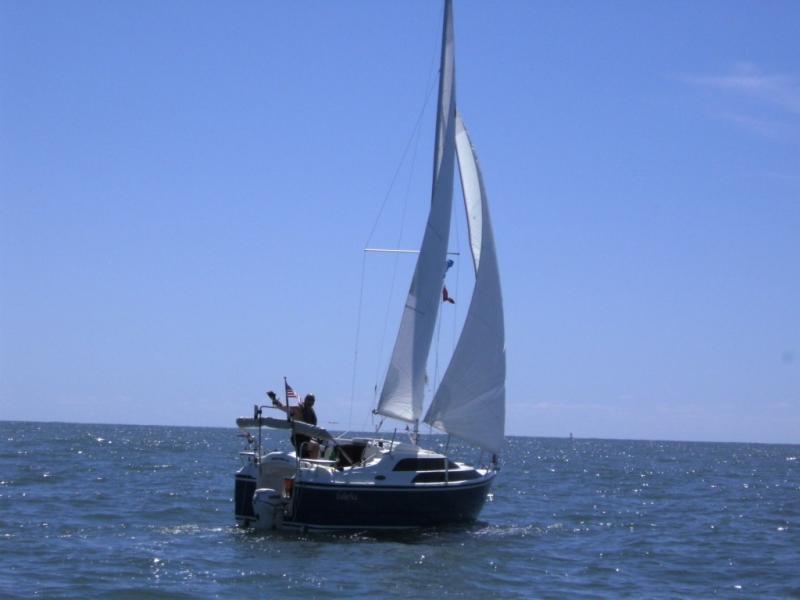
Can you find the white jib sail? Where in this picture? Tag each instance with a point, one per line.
(470, 400)
(404, 386)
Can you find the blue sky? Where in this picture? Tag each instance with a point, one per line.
(186, 189)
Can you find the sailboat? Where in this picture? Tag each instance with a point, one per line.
(373, 483)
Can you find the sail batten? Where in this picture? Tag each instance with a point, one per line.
(404, 385)
(470, 400)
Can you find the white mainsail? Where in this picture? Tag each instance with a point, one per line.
(404, 386)
(470, 400)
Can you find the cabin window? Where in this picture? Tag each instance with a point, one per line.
(439, 476)
(424, 464)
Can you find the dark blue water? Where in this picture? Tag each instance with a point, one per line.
(90, 511)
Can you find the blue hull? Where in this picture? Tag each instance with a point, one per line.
(326, 506)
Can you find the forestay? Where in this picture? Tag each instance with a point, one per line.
(470, 400)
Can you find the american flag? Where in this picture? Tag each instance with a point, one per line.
(290, 393)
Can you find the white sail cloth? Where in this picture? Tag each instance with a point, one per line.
(470, 400)
(404, 386)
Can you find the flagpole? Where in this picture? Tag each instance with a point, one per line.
(286, 395)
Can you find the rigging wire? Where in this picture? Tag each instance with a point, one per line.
(394, 269)
(439, 320)
(440, 317)
(457, 229)
(358, 336)
(414, 135)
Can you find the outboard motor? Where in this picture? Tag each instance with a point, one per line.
(268, 507)
(255, 498)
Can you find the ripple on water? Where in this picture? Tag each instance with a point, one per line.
(137, 512)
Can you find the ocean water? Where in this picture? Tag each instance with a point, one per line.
(118, 511)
